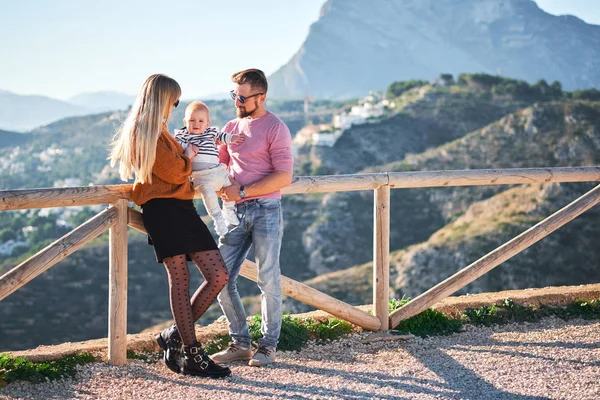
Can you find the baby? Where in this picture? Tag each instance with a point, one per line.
(208, 175)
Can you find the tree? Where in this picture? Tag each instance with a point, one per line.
(556, 88)
(448, 79)
(542, 88)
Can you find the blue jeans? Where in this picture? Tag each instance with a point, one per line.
(261, 225)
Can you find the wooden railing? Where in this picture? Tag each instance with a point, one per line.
(118, 216)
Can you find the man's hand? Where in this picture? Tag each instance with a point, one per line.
(238, 139)
(230, 193)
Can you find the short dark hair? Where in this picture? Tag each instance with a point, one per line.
(255, 77)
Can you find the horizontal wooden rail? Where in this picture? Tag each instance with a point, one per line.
(55, 252)
(295, 290)
(478, 177)
(335, 183)
(496, 257)
(88, 195)
(134, 220)
(63, 197)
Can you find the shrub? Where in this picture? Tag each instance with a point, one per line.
(219, 342)
(295, 333)
(332, 329)
(427, 323)
(397, 88)
(587, 94)
(19, 369)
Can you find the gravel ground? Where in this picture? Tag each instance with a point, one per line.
(548, 359)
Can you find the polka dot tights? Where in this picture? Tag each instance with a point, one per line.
(186, 312)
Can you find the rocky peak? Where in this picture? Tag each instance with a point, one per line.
(358, 46)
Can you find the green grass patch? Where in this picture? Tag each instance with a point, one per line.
(585, 309)
(147, 357)
(509, 311)
(485, 315)
(295, 333)
(217, 343)
(332, 329)
(19, 369)
(428, 323)
(432, 323)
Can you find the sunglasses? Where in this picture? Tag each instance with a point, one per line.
(176, 103)
(242, 99)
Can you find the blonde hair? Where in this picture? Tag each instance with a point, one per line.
(134, 144)
(193, 106)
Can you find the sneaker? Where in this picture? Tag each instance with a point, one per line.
(220, 224)
(264, 355)
(235, 352)
(230, 216)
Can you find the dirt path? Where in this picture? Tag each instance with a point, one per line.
(548, 359)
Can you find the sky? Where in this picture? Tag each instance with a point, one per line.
(60, 48)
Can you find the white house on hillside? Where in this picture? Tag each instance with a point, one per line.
(368, 107)
(371, 106)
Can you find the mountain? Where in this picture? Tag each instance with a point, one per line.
(102, 101)
(357, 46)
(25, 112)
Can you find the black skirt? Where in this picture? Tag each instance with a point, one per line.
(174, 228)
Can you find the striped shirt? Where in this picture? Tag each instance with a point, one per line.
(208, 153)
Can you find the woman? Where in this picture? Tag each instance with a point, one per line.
(163, 189)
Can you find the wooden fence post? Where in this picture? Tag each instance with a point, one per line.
(117, 292)
(381, 255)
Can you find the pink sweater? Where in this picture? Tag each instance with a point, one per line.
(268, 148)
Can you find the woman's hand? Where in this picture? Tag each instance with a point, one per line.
(191, 150)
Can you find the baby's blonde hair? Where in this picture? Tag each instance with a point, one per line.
(193, 106)
(134, 144)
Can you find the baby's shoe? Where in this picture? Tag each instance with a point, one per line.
(220, 224)
(231, 216)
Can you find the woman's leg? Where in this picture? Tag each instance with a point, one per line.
(211, 266)
(179, 286)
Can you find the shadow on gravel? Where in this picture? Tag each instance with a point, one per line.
(464, 382)
(467, 345)
(382, 380)
(469, 385)
(209, 386)
(240, 385)
(516, 353)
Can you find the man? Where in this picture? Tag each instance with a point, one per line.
(259, 167)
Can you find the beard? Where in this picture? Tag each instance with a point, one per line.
(242, 112)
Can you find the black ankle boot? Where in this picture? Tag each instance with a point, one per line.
(169, 341)
(197, 363)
